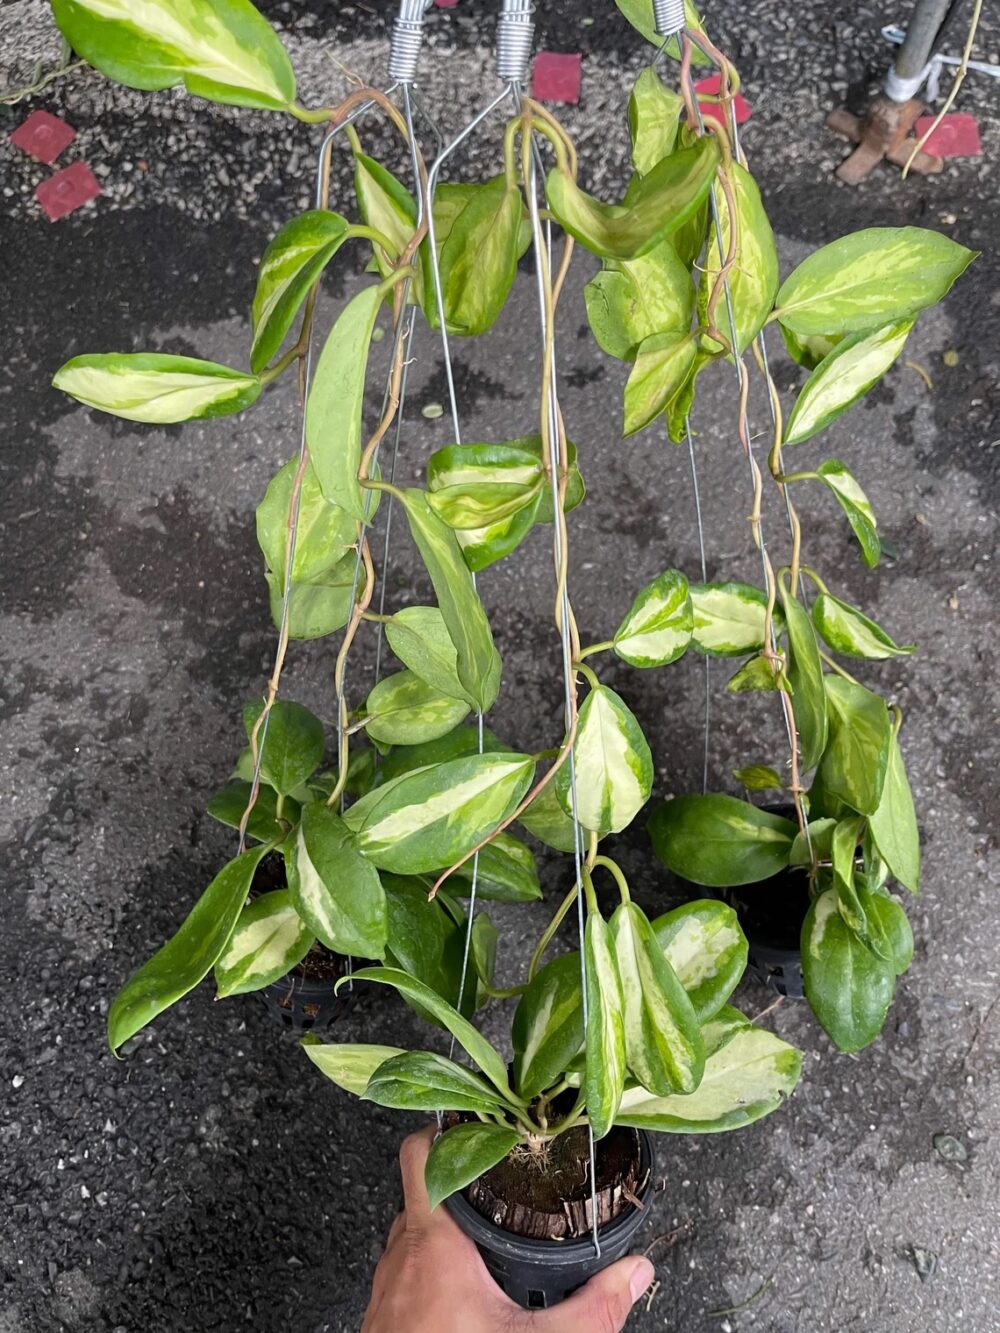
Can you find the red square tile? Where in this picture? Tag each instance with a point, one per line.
(43, 136)
(956, 136)
(711, 85)
(67, 190)
(556, 77)
(446, 4)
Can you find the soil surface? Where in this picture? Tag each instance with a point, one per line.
(212, 1180)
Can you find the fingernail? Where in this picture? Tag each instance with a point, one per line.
(642, 1276)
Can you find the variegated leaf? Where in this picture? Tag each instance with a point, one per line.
(613, 765)
(269, 940)
(402, 709)
(855, 504)
(843, 376)
(547, 1032)
(349, 1066)
(604, 1075)
(425, 1081)
(850, 632)
(156, 388)
(659, 623)
(335, 889)
(706, 948)
(729, 618)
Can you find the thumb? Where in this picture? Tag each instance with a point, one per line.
(603, 1304)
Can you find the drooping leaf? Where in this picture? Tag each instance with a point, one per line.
(720, 841)
(729, 618)
(663, 364)
(805, 675)
(852, 499)
(228, 804)
(189, 955)
(850, 632)
(843, 850)
(809, 349)
(349, 1066)
(654, 112)
(424, 1081)
(386, 205)
(431, 817)
(843, 376)
(893, 823)
(757, 674)
(336, 890)
(662, 201)
(290, 265)
(320, 605)
(402, 709)
(614, 767)
(293, 744)
(506, 872)
(630, 300)
(419, 938)
(461, 609)
(420, 639)
(547, 1032)
(156, 387)
(848, 987)
(270, 939)
(462, 1154)
(870, 278)
(479, 258)
(604, 1037)
(220, 49)
(759, 777)
(753, 279)
(325, 533)
(658, 626)
(663, 1043)
(335, 403)
(703, 943)
(854, 763)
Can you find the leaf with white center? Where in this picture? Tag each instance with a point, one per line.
(604, 1037)
(747, 1078)
(893, 823)
(269, 940)
(462, 1154)
(663, 1043)
(349, 1066)
(293, 745)
(849, 988)
(654, 112)
(335, 889)
(478, 261)
(630, 300)
(854, 763)
(547, 1032)
(432, 817)
(805, 676)
(663, 364)
(657, 628)
(720, 841)
(189, 955)
(614, 767)
(471, 1040)
(386, 205)
(729, 618)
(820, 842)
(155, 387)
(291, 264)
(846, 374)
(402, 709)
(809, 349)
(220, 49)
(703, 943)
(850, 632)
(325, 534)
(757, 675)
(870, 278)
(753, 281)
(423, 1081)
(840, 480)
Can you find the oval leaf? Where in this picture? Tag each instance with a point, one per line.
(728, 618)
(269, 940)
(294, 743)
(548, 1026)
(659, 623)
(854, 763)
(753, 281)
(479, 258)
(849, 989)
(654, 112)
(614, 767)
(404, 710)
(349, 1066)
(720, 841)
(462, 1154)
(843, 376)
(228, 805)
(662, 368)
(630, 300)
(155, 387)
(336, 891)
(604, 1073)
(318, 606)
(325, 533)
(423, 1081)
(849, 631)
(706, 948)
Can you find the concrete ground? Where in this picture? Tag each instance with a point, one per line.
(212, 1181)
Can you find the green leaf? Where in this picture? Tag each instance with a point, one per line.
(402, 709)
(869, 279)
(852, 499)
(228, 804)
(854, 763)
(269, 940)
(843, 376)
(349, 1066)
(640, 14)
(654, 112)
(893, 823)
(809, 349)
(335, 403)
(629, 301)
(662, 368)
(293, 746)
(805, 675)
(657, 628)
(291, 264)
(546, 820)
(479, 257)
(663, 1043)
(419, 637)
(703, 943)
(820, 840)
(386, 205)
(758, 777)
(850, 632)
(843, 850)
(458, 743)
(423, 1081)
(720, 841)
(471, 1041)
(318, 607)
(189, 955)
(462, 1154)
(849, 989)
(335, 889)
(747, 1077)
(461, 609)
(614, 767)
(547, 1032)
(155, 387)
(661, 202)
(757, 675)
(482, 504)
(729, 618)
(893, 927)
(507, 872)
(220, 49)
(753, 281)
(431, 817)
(604, 1038)
(325, 536)
(420, 937)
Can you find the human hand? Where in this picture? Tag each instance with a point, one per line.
(432, 1279)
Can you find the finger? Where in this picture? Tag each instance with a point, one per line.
(603, 1305)
(412, 1160)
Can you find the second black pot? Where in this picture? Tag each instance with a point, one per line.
(540, 1273)
(305, 1004)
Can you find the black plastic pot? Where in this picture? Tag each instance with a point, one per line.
(541, 1273)
(305, 1004)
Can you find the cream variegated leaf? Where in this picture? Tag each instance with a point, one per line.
(156, 388)
(659, 623)
(728, 618)
(613, 765)
(269, 940)
(349, 1066)
(402, 709)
